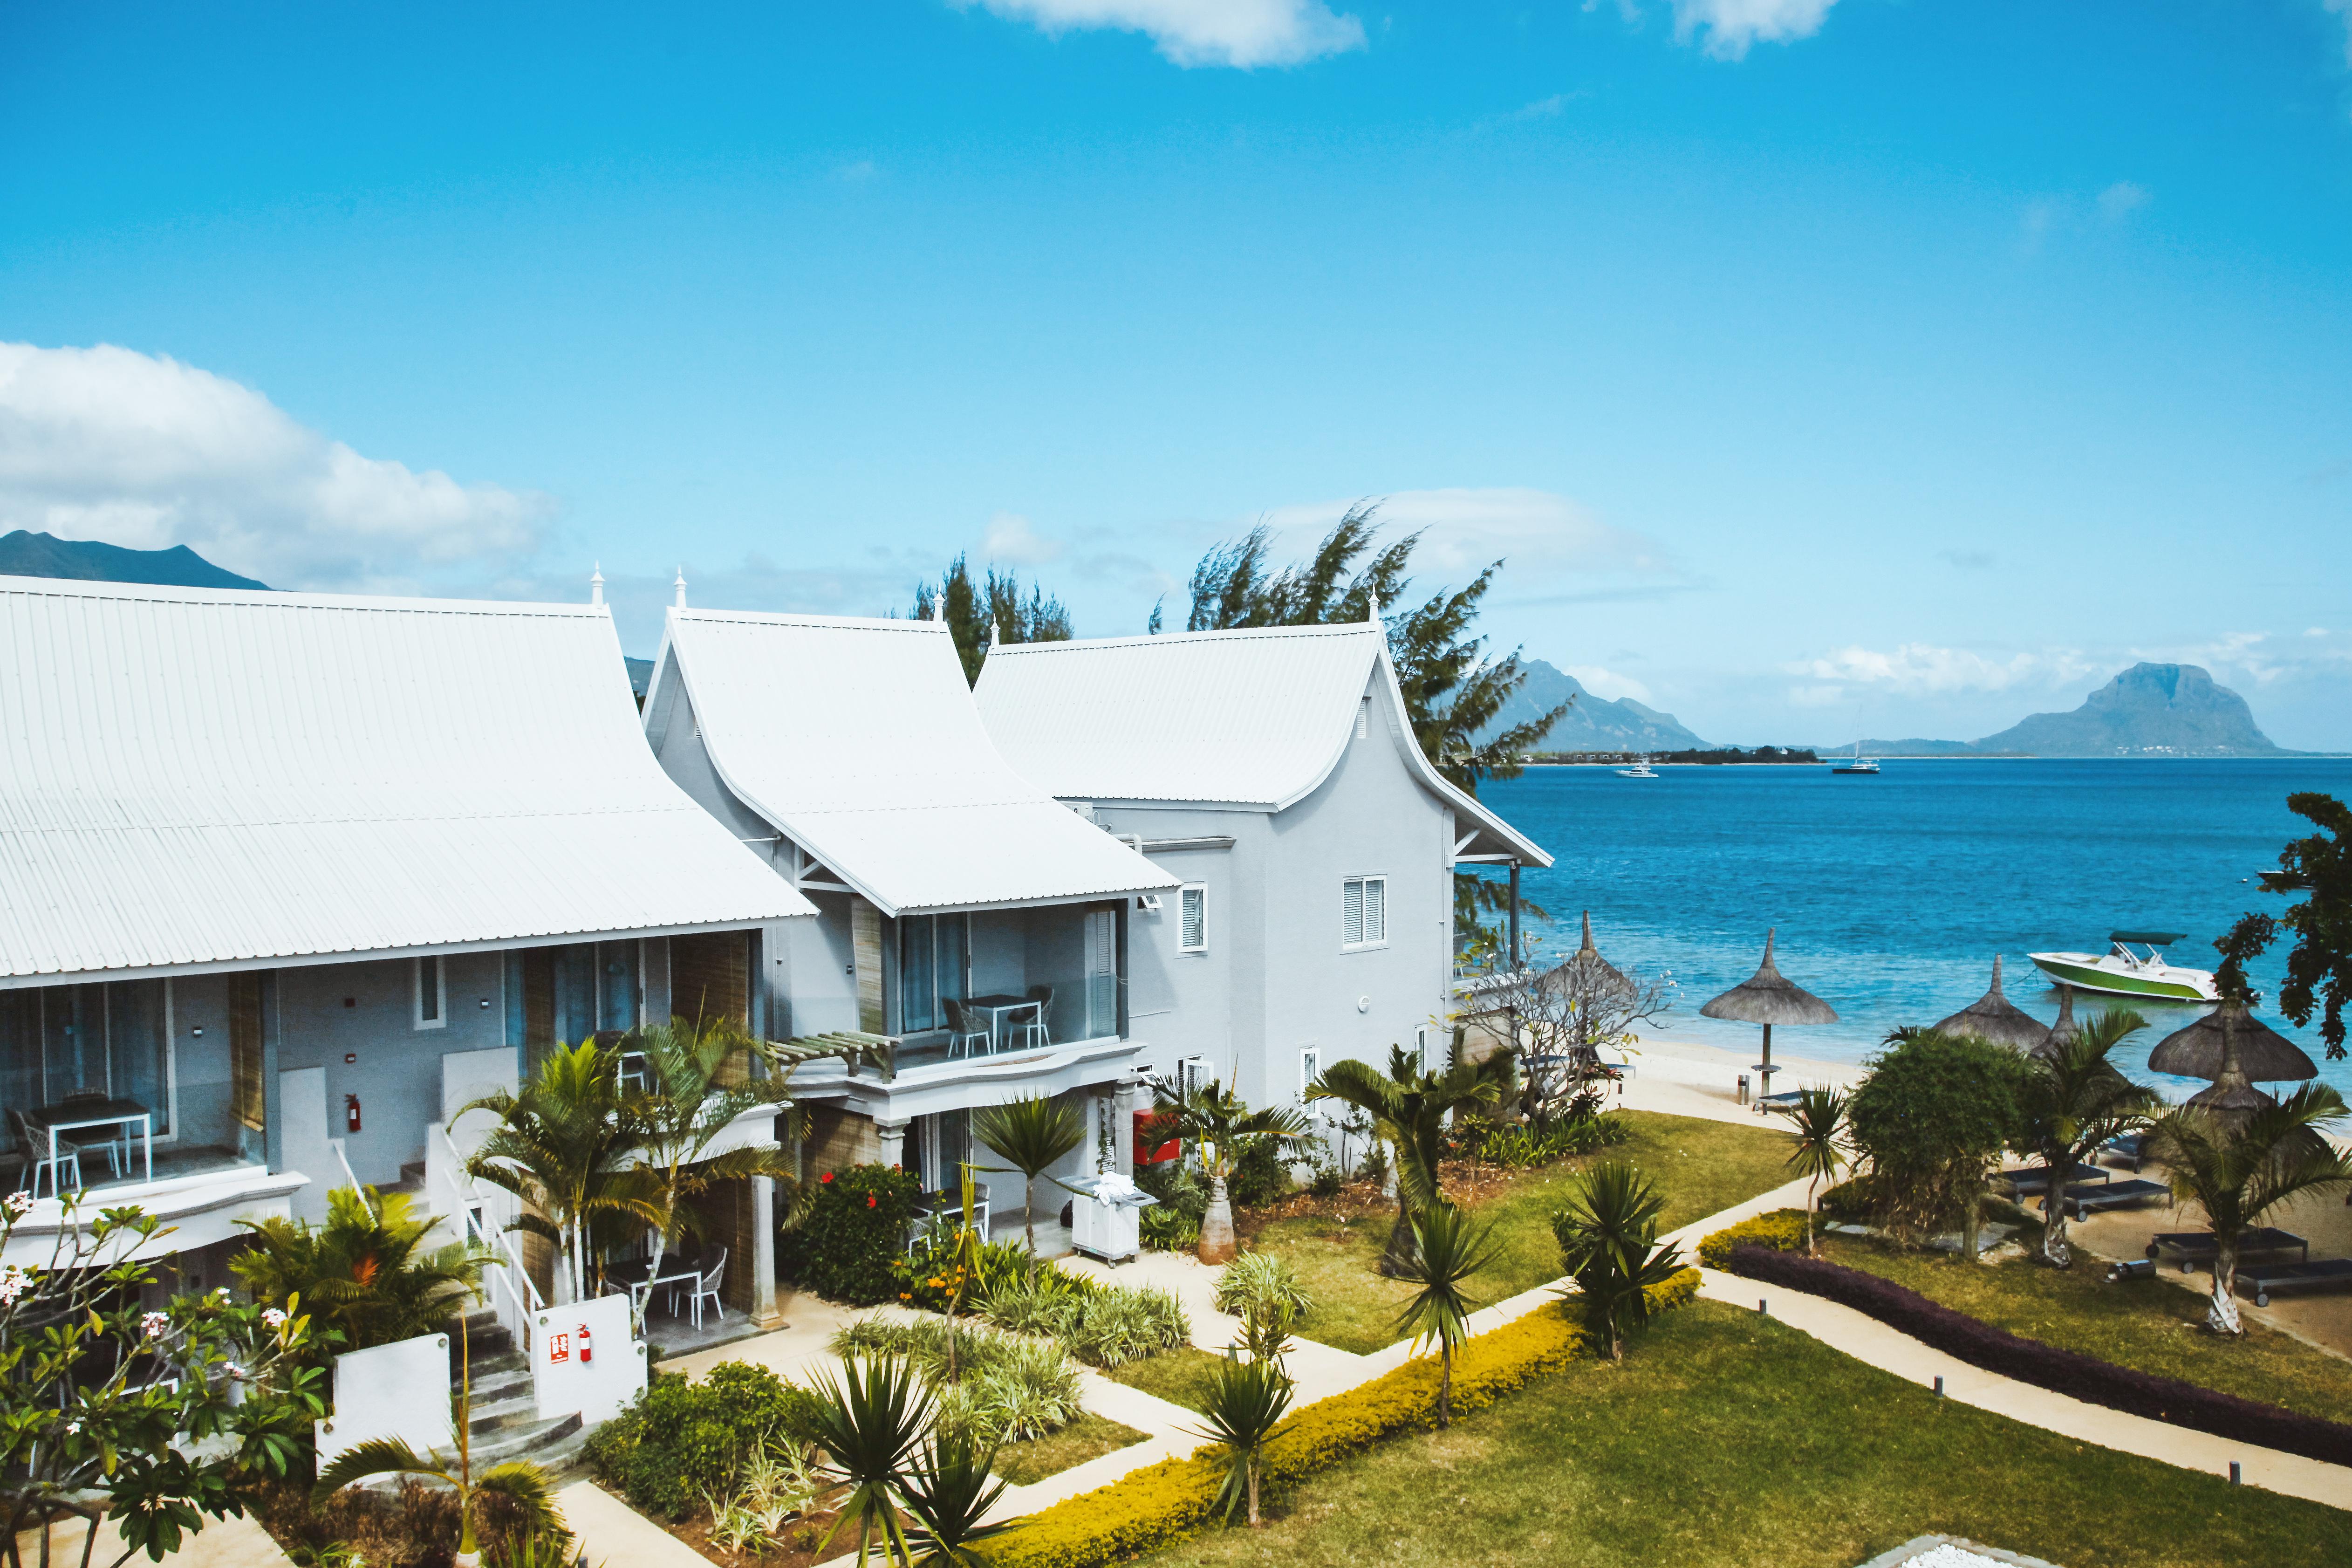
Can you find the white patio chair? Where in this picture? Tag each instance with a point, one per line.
(706, 1288)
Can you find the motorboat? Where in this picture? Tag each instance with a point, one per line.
(2133, 966)
(1641, 770)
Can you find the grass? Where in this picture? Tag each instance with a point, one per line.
(2147, 1325)
(1725, 1441)
(1088, 1437)
(1178, 1376)
(1705, 1167)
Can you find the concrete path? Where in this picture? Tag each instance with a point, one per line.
(222, 1543)
(1867, 1340)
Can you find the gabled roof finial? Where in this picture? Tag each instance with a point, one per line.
(596, 585)
(1374, 616)
(680, 588)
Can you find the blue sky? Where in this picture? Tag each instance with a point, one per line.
(1820, 366)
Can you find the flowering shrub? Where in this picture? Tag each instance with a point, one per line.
(855, 1227)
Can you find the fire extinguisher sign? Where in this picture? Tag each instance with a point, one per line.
(559, 1348)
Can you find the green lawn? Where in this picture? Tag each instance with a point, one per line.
(1730, 1441)
(1089, 1436)
(2145, 1324)
(1178, 1376)
(1705, 1167)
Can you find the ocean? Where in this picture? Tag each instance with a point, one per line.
(1892, 893)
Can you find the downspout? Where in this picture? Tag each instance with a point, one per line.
(1515, 917)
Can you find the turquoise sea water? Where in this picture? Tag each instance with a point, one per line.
(1892, 893)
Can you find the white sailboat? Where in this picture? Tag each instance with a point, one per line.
(1857, 764)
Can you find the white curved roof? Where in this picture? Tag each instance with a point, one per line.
(1254, 718)
(859, 741)
(191, 776)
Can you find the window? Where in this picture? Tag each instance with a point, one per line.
(1192, 924)
(1364, 718)
(1421, 1046)
(1192, 1077)
(1363, 911)
(432, 992)
(1310, 1068)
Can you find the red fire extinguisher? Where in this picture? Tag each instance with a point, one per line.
(351, 1113)
(587, 1346)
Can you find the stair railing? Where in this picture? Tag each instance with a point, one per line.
(350, 1178)
(512, 1296)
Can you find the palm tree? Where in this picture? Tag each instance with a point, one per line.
(1819, 1119)
(1035, 1134)
(365, 1272)
(561, 1145)
(2074, 1101)
(1217, 1124)
(2240, 1169)
(521, 1482)
(1448, 1247)
(684, 1108)
(868, 1424)
(1608, 1236)
(1246, 1400)
(1407, 1107)
(948, 1490)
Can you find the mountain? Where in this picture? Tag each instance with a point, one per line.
(2151, 709)
(2168, 709)
(28, 554)
(1594, 723)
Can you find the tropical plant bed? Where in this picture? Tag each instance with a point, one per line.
(2067, 1372)
(2147, 1325)
(1725, 1440)
(797, 1545)
(1705, 1167)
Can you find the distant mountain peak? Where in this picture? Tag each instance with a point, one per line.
(28, 554)
(2149, 710)
(1594, 723)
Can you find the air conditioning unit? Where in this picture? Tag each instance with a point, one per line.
(1148, 902)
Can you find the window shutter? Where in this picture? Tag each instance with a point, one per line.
(244, 1049)
(1376, 921)
(1351, 912)
(1195, 934)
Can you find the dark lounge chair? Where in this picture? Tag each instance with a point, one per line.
(2027, 1179)
(2196, 1247)
(2099, 1197)
(2268, 1279)
(2131, 1146)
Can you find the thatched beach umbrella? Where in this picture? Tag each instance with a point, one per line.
(2233, 1097)
(1768, 998)
(2264, 1055)
(1994, 1018)
(2063, 1033)
(1588, 976)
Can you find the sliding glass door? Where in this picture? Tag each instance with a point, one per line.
(934, 966)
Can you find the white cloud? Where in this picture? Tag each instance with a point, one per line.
(1816, 696)
(1542, 109)
(1731, 25)
(1010, 540)
(143, 451)
(1463, 529)
(2343, 8)
(1608, 684)
(2122, 199)
(1924, 668)
(1244, 33)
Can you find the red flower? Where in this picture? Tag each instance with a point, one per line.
(826, 1177)
(869, 1200)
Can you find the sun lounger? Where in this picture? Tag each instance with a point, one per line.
(2268, 1279)
(1782, 1100)
(2196, 1247)
(2131, 1146)
(2098, 1198)
(2034, 1178)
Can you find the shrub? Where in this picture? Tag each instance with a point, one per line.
(1858, 1200)
(923, 1274)
(1520, 1145)
(857, 1227)
(1106, 1325)
(1007, 1387)
(1261, 1173)
(1260, 1278)
(680, 1442)
(2047, 1366)
(1934, 1111)
(1174, 1221)
(1783, 1230)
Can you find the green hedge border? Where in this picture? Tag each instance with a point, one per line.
(1172, 1499)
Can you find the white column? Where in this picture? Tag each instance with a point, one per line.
(894, 1140)
(765, 1312)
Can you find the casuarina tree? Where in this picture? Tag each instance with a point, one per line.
(1409, 1106)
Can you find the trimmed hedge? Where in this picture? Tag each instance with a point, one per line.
(2063, 1372)
(1783, 1230)
(1175, 1499)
